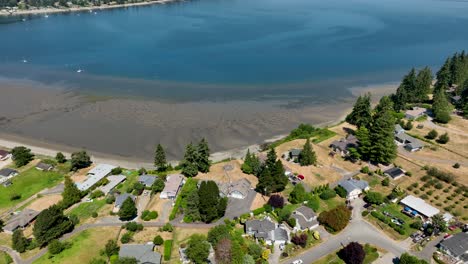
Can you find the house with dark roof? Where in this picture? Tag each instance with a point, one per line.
(239, 189)
(342, 146)
(394, 173)
(114, 180)
(354, 188)
(120, 199)
(6, 174)
(143, 253)
(305, 217)
(44, 166)
(147, 180)
(267, 231)
(20, 220)
(4, 155)
(456, 246)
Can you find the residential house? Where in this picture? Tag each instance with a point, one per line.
(354, 188)
(143, 253)
(114, 180)
(267, 230)
(342, 146)
(172, 187)
(20, 220)
(239, 189)
(94, 175)
(120, 199)
(398, 129)
(415, 112)
(456, 99)
(6, 174)
(294, 153)
(147, 180)
(44, 166)
(4, 155)
(394, 173)
(410, 143)
(306, 219)
(415, 206)
(456, 246)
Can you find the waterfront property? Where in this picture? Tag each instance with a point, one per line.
(20, 220)
(143, 253)
(267, 231)
(238, 189)
(415, 112)
(44, 166)
(306, 219)
(94, 175)
(114, 180)
(294, 154)
(456, 246)
(172, 187)
(398, 129)
(342, 146)
(147, 180)
(120, 199)
(354, 188)
(415, 206)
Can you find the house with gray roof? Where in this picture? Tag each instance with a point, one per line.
(394, 173)
(114, 180)
(172, 186)
(147, 180)
(120, 199)
(354, 188)
(7, 172)
(143, 253)
(294, 153)
(342, 146)
(239, 189)
(305, 218)
(267, 230)
(398, 129)
(94, 175)
(415, 112)
(44, 166)
(20, 220)
(456, 246)
(409, 143)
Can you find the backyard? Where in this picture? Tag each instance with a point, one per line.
(26, 184)
(85, 210)
(393, 211)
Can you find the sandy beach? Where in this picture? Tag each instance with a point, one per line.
(50, 10)
(50, 119)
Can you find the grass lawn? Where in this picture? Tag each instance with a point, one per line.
(84, 210)
(132, 177)
(330, 259)
(5, 258)
(85, 246)
(394, 210)
(326, 205)
(371, 255)
(5, 239)
(26, 184)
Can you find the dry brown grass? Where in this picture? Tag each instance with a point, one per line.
(182, 235)
(80, 175)
(148, 234)
(45, 202)
(217, 174)
(258, 202)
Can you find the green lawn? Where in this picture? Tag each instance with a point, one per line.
(84, 247)
(330, 259)
(395, 210)
(5, 258)
(371, 256)
(329, 204)
(84, 210)
(26, 184)
(132, 177)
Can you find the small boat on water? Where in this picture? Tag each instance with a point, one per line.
(24, 19)
(46, 16)
(25, 61)
(79, 70)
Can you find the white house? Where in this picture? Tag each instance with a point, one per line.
(95, 175)
(306, 219)
(172, 186)
(354, 188)
(457, 247)
(267, 231)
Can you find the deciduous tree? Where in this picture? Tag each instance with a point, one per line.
(353, 253)
(80, 160)
(21, 156)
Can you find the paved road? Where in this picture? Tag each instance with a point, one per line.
(358, 230)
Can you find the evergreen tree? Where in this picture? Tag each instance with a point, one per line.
(405, 92)
(362, 134)
(246, 166)
(189, 163)
(441, 107)
(265, 182)
(70, 195)
(280, 180)
(298, 194)
(423, 84)
(128, 211)
(383, 149)
(208, 193)
(443, 77)
(19, 241)
(307, 156)
(160, 158)
(203, 161)
(51, 224)
(60, 158)
(361, 113)
(271, 158)
(193, 203)
(385, 104)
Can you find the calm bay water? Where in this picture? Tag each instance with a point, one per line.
(234, 48)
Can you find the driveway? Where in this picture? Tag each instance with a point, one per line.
(237, 207)
(143, 201)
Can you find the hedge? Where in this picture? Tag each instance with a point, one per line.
(167, 250)
(388, 222)
(258, 211)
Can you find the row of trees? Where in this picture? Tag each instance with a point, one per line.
(375, 130)
(414, 88)
(271, 178)
(196, 159)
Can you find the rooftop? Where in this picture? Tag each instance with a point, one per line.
(95, 175)
(307, 212)
(398, 129)
(44, 166)
(295, 152)
(120, 199)
(242, 186)
(343, 144)
(259, 228)
(352, 184)
(173, 182)
(416, 111)
(457, 244)
(114, 180)
(394, 172)
(20, 220)
(3, 153)
(6, 172)
(144, 253)
(147, 180)
(419, 205)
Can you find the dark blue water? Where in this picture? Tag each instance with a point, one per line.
(232, 47)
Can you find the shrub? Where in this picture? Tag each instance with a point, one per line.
(149, 215)
(439, 186)
(258, 211)
(96, 194)
(133, 226)
(167, 250)
(292, 222)
(336, 219)
(365, 169)
(300, 239)
(167, 228)
(340, 191)
(353, 253)
(365, 213)
(374, 198)
(456, 165)
(94, 214)
(15, 196)
(408, 173)
(432, 134)
(126, 238)
(55, 247)
(446, 190)
(327, 194)
(443, 139)
(430, 192)
(276, 201)
(116, 171)
(158, 240)
(424, 197)
(386, 181)
(416, 191)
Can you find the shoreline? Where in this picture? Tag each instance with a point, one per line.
(49, 10)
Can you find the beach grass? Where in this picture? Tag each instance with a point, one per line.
(84, 247)
(26, 184)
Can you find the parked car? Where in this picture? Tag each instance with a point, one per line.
(298, 261)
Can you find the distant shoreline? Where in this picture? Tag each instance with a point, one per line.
(49, 10)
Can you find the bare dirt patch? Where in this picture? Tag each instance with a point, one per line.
(234, 173)
(45, 202)
(80, 175)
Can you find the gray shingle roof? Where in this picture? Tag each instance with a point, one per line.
(352, 184)
(457, 244)
(259, 228)
(307, 212)
(280, 234)
(295, 152)
(144, 253)
(398, 129)
(44, 166)
(242, 186)
(121, 198)
(147, 180)
(21, 220)
(343, 144)
(7, 172)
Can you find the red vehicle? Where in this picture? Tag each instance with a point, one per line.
(453, 227)
(300, 176)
